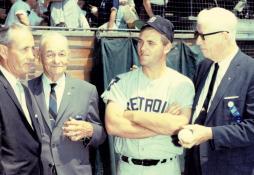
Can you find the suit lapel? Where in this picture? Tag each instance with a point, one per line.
(32, 114)
(229, 77)
(40, 99)
(11, 92)
(66, 99)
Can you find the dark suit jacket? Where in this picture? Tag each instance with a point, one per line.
(231, 151)
(19, 143)
(69, 157)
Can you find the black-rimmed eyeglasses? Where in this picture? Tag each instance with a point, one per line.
(202, 35)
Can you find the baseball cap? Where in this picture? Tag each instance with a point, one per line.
(161, 25)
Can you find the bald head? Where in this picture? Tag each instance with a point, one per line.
(217, 19)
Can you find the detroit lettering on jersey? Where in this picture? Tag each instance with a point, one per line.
(146, 104)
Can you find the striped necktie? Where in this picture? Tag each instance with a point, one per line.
(53, 102)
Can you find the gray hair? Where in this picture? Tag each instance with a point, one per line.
(46, 36)
(6, 33)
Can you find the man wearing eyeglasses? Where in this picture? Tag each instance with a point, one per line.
(222, 125)
(71, 122)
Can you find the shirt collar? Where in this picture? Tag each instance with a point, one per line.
(224, 64)
(10, 78)
(47, 81)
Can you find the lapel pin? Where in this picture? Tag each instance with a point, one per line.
(230, 104)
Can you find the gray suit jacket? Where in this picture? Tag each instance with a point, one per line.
(69, 158)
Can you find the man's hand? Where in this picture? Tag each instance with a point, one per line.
(77, 129)
(200, 134)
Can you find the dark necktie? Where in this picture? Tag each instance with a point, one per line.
(53, 102)
(203, 113)
(194, 167)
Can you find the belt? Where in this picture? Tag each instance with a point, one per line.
(143, 162)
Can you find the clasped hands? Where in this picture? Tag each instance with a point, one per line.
(191, 135)
(76, 130)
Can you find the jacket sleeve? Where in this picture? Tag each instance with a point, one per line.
(99, 134)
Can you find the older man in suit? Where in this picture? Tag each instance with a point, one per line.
(70, 113)
(222, 137)
(19, 141)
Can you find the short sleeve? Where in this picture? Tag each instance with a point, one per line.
(185, 94)
(115, 92)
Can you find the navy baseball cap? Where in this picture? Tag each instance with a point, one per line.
(161, 25)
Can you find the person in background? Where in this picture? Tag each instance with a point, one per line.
(126, 14)
(66, 14)
(107, 12)
(153, 7)
(19, 12)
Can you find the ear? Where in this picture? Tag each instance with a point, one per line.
(168, 47)
(3, 52)
(39, 53)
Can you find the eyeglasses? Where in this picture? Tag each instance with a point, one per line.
(202, 35)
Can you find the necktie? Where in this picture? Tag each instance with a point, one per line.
(202, 115)
(52, 102)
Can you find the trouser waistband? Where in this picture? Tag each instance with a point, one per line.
(145, 162)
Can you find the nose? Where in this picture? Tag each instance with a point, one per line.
(142, 47)
(56, 59)
(199, 40)
(30, 55)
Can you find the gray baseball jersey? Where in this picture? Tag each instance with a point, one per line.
(135, 91)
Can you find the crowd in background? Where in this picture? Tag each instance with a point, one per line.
(106, 14)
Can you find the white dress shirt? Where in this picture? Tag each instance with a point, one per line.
(223, 66)
(59, 89)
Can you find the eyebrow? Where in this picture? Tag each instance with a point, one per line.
(56, 51)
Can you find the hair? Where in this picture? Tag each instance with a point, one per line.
(164, 38)
(218, 19)
(55, 35)
(6, 33)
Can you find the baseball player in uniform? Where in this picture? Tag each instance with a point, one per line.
(139, 106)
